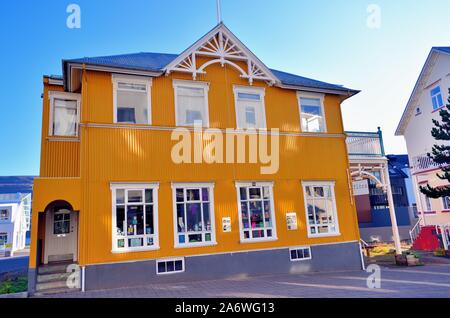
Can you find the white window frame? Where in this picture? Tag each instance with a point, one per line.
(8, 213)
(135, 186)
(52, 95)
(272, 210)
(195, 85)
(250, 90)
(330, 184)
(171, 260)
(129, 79)
(318, 96)
(200, 185)
(423, 203)
(435, 96)
(445, 206)
(300, 248)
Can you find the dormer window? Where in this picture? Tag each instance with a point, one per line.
(436, 98)
(132, 100)
(64, 114)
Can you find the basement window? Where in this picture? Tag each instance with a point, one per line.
(170, 266)
(300, 254)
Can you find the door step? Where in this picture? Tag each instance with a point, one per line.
(55, 291)
(53, 279)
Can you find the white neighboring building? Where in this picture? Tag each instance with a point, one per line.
(428, 97)
(14, 222)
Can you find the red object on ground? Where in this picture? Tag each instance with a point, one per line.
(427, 239)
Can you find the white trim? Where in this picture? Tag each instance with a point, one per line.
(220, 43)
(174, 259)
(142, 187)
(52, 95)
(250, 90)
(197, 185)
(319, 96)
(235, 131)
(196, 85)
(132, 79)
(300, 248)
(330, 184)
(274, 236)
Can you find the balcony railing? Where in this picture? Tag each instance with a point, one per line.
(365, 144)
(423, 163)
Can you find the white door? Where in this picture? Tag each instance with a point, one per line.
(61, 236)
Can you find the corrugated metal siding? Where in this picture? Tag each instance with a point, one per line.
(61, 159)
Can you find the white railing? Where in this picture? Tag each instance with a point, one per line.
(365, 144)
(415, 231)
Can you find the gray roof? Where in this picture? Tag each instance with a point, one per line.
(445, 49)
(16, 184)
(156, 62)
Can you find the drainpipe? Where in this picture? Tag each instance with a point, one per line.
(387, 184)
(83, 278)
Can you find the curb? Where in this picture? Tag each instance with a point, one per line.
(16, 295)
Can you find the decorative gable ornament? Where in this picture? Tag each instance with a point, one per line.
(225, 48)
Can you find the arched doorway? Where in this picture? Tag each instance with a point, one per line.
(60, 223)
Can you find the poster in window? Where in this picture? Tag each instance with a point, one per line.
(226, 224)
(291, 221)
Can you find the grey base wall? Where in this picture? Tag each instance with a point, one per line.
(32, 278)
(384, 234)
(333, 257)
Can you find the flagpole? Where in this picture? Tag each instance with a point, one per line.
(219, 12)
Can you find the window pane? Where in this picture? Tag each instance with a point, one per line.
(306, 253)
(206, 217)
(135, 242)
(64, 118)
(255, 193)
(195, 238)
(170, 266)
(256, 214)
(178, 265)
(205, 194)
(193, 195)
(120, 196)
(311, 214)
(132, 86)
(208, 237)
(190, 105)
(180, 195)
(135, 220)
(180, 217)
(258, 234)
(132, 107)
(293, 254)
(161, 267)
(135, 196)
(245, 218)
(243, 192)
(194, 218)
(148, 196)
(311, 115)
(266, 193)
(267, 214)
(249, 96)
(250, 117)
(149, 229)
(120, 220)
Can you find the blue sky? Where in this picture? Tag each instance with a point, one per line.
(322, 39)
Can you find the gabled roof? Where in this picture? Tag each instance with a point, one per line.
(421, 82)
(219, 43)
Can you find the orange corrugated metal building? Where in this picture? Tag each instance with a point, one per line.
(112, 199)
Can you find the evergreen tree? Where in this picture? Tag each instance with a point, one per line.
(440, 153)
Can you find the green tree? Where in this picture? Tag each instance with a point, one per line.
(440, 153)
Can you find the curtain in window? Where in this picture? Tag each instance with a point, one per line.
(190, 105)
(65, 118)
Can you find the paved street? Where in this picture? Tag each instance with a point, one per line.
(14, 264)
(426, 281)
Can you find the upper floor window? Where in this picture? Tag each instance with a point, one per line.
(191, 103)
(446, 203)
(194, 215)
(256, 212)
(4, 214)
(250, 110)
(312, 114)
(64, 114)
(436, 98)
(426, 203)
(320, 204)
(132, 100)
(135, 217)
